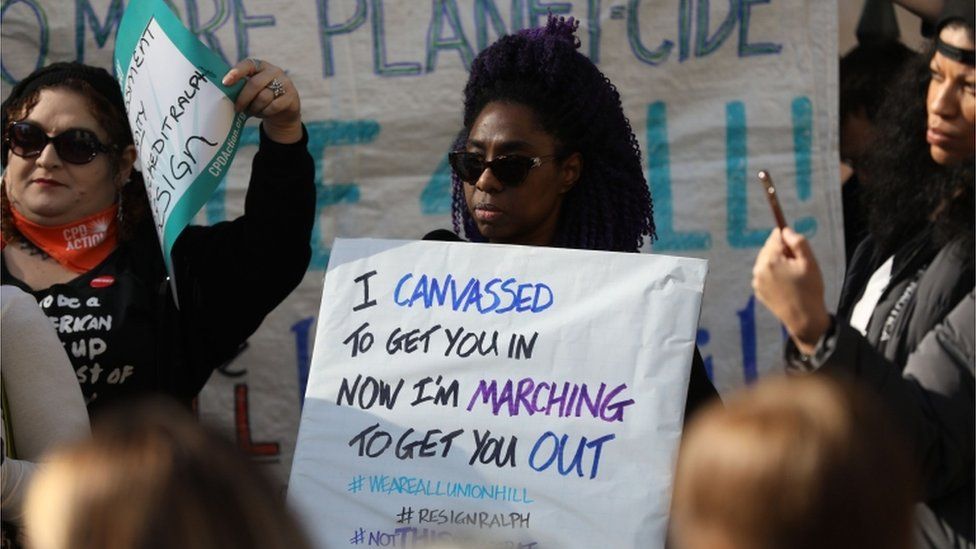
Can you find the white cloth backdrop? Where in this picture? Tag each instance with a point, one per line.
(715, 90)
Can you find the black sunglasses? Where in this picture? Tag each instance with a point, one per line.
(76, 146)
(511, 170)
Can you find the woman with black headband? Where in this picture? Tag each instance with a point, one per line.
(78, 236)
(905, 322)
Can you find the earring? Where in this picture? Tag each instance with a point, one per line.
(119, 213)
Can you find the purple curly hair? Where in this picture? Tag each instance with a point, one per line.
(610, 206)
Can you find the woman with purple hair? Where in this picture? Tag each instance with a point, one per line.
(548, 158)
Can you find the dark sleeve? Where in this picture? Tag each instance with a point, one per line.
(442, 235)
(232, 274)
(700, 388)
(931, 399)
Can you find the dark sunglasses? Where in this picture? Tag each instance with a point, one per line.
(76, 146)
(511, 170)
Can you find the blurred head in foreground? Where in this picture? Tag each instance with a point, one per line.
(792, 463)
(152, 477)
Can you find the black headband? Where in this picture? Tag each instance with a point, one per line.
(956, 54)
(99, 79)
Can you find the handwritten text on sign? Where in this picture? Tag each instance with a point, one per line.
(182, 118)
(523, 395)
(172, 142)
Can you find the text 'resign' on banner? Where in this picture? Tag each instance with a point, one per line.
(182, 117)
(527, 396)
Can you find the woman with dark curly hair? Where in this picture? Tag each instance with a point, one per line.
(586, 189)
(77, 234)
(548, 158)
(914, 269)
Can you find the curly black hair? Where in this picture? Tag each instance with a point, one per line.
(906, 191)
(609, 208)
(866, 74)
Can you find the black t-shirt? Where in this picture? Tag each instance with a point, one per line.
(105, 320)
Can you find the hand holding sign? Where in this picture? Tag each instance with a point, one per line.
(270, 95)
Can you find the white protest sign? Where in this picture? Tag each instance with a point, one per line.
(182, 118)
(522, 395)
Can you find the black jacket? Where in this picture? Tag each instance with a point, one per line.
(119, 323)
(919, 361)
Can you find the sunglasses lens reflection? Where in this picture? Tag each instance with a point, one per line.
(511, 170)
(76, 146)
(470, 167)
(27, 140)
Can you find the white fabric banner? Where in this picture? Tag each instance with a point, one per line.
(514, 394)
(715, 90)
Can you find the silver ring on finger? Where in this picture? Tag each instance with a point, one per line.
(276, 87)
(256, 64)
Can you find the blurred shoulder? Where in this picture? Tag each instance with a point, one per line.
(13, 300)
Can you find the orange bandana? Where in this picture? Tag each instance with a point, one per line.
(78, 246)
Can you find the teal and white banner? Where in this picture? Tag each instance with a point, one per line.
(182, 117)
(715, 91)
